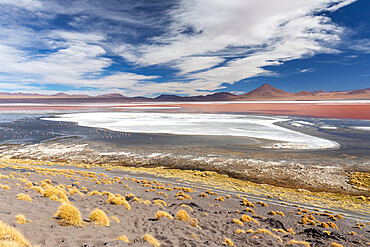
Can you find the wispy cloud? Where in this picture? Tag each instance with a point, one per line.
(205, 44)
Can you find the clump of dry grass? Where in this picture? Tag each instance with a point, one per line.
(249, 210)
(280, 230)
(203, 195)
(324, 225)
(220, 198)
(24, 197)
(10, 236)
(118, 200)
(58, 192)
(186, 206)
(269, 233)
(239, 222)
(334, 244)
(115, 219)
(21, 219)
(228, 242)
(69, 215)
(291, 231)
(99, 217)
(151, 240)
(123, 238)
(160, 202)
(238, 231)
(332, 225)
(293, 242)
(272, 212)
(247, 218)
(161, 214)
(5, 187)
(182, 215)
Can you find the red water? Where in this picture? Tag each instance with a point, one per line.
(348, 110)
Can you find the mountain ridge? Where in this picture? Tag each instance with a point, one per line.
(264, 92)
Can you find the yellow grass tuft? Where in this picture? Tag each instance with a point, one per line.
(332, 225)
(272, 213)
(352, 233)
(269, 233)
(182, 215)
(228, 242)
(69, 215)
(239, 222)
(10, 236)
(123, 238)
(238, 231)
(193, 222)
(38, 189)
(291, 231)
(249, 210)
(21, 219)
(161, 202)
(161, 214)
(24, 197)
(115, 219)
(118, 200)
(186, 206)
(324, 225)
(293, 242)
(247, 218)
(280, 230)
(99, 217)
(334, 244)
(151, 240)
(5, 187)
(56, 191)
(203, 195)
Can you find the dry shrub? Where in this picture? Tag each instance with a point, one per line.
(332, 225)
(272, 213)
(99, 217)
(182, 215)
(186, 206)
(160, 214)
(151, 240)
(293, 242)
(5, 187)
(280, 230)
(228, 242)
(123, 238)
(38, 189)
(24, 197)
(324, 225)
(69, 215)
(203, 195)
(238, 231)
(10, 236)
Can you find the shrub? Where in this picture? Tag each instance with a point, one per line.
(247, 218)
(56, 191)
(324, 225)
(249, 210)
(24, 197)
(10, 236)
(272, 212)
(69, 215)
(99, 217)
(115, 219)
(160, 214)
(238, 231)
(269, 233)
(151, 240)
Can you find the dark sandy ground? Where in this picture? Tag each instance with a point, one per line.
(215, 213)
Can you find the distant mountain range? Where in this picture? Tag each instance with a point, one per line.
(264, 92)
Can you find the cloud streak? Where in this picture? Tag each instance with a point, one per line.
(122, 46)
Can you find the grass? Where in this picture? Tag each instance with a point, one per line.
(161, 214)
(269, 233)
(151, 240)
(360, 180)
(99, 217)
(21, 219)
(123, 238)
(24, 197)
(228, 242)
(295, 242)
(10, 236)
(247, 218)
(69, 215)
(182, 215)
(239, 222)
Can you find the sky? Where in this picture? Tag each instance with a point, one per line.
(183, 47)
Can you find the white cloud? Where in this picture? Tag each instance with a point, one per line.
(26, 4)
(251, 34)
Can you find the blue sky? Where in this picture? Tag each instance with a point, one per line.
(184, 47)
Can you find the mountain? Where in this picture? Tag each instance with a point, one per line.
(264, 92)
(111, 95)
